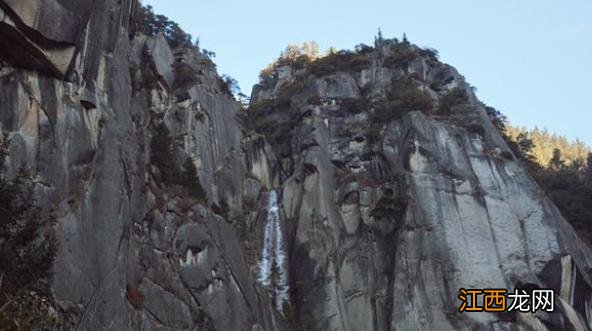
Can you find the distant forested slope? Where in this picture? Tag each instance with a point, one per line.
(563, 168)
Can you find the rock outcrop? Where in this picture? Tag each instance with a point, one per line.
(380, 168)
(80, 100)
(398, 191)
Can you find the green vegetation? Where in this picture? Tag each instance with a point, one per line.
(147, 22)
(259, 118)
(235, 219)
(277, 133)
(162, 154)
(431, 53)
(297, 56)
(149, 79)
(150, 24)
(498, 119)
(544, 143)
(404, 96)
(363, 49)
(453, 102)
(390, 208)
(191, 181)
(378, 39)
(267, 106)
(171, 172)
(184, 75)
(402, 54)
(340, 61)
(27, 255)
(307, 57)
(240, 225)
(230, 85)
(563, 169)
(570, 188)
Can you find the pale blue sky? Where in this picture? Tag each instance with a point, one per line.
(531, 59)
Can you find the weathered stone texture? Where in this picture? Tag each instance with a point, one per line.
(125, 237)
(386, 231)
(384, 221)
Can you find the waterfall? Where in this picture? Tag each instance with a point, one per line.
(273, 267)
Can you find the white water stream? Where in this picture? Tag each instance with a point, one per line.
(273, 267)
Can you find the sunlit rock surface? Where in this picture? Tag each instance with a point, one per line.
(391, 218)
(379, 222)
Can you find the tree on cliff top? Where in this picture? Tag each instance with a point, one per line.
(150, 24)
(293, 52)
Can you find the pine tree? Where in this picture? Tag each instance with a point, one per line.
(191, 180)
(162, 154)
(562, 168)
(498, 119)
(545, 142)
(230, 85)
(150, 24)
(26, 254)
(144, 20)
(378, 40)
(525, 145)
(556, 162)
(177, 37)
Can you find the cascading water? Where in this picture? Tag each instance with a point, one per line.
(273, 267)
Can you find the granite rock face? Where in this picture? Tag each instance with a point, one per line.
(80, 101)
(384, 217)
(390, 216)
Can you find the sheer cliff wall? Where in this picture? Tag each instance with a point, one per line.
(81, 99)
(394, 189)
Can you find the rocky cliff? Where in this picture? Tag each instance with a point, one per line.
(397, 190)
(359, 191)
(81, 98)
